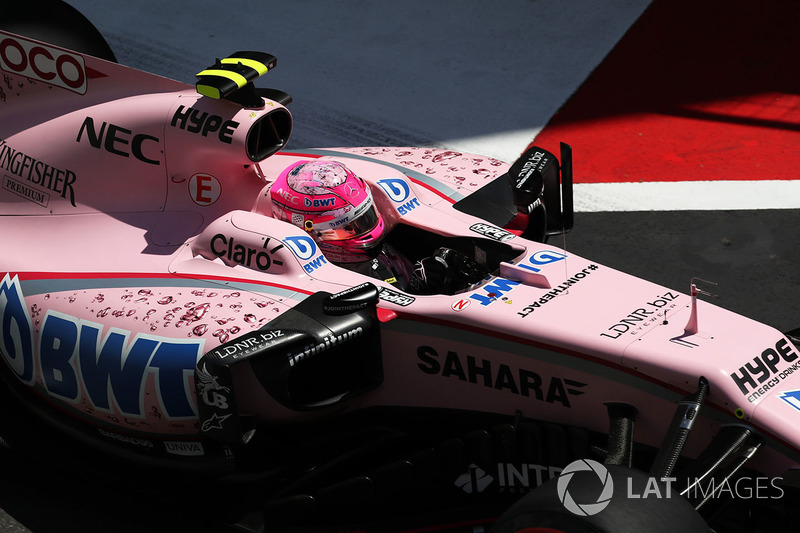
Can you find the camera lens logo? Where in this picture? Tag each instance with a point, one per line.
(588, 508)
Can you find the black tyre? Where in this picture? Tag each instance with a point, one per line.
(603, 499)
(58, 23)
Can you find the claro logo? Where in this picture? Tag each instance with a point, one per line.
(43, 63)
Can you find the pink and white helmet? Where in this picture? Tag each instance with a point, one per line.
(334, 205)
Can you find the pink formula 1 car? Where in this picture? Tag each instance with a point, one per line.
(154, 312)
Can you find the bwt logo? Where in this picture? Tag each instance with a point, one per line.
(319, 202)
(399, 192)
(493, 291)
(305, 248)
(791, 397)
(397, 189)
(43, 63)
(79, 362)
(542, 257)
(16, 330)
(499, 286)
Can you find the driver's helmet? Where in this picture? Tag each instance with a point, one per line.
(335, 206)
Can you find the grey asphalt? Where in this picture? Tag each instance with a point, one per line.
(362, 75)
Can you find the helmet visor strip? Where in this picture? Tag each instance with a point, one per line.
(348, 229)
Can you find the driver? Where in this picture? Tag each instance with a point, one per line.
(336, 208)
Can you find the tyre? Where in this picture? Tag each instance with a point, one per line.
(589, 497)
(58, 23)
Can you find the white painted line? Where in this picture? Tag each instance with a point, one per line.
(687, 196)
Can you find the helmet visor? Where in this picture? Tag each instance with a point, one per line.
(350, 229)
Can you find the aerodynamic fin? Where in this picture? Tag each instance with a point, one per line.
(536, 186)
(231, 78)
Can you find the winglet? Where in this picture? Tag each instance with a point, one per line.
(227, 76)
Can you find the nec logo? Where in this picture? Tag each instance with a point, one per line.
(43, 63)
(121, 141)
(289, 197)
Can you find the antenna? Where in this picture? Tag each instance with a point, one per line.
(691, 325)
(564, 201)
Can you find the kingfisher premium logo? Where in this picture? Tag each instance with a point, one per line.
(31, 176)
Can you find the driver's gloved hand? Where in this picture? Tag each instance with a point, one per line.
(463, 272)
(430, 276)
(447, 271)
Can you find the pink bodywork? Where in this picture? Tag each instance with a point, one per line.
(135, 223)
